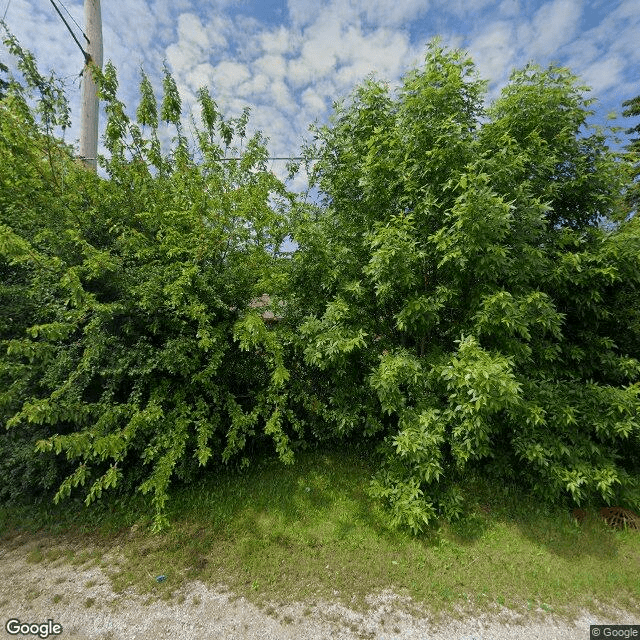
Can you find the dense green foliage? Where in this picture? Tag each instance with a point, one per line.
(456, 300)
(633, 149)
(465, 291)
(129, 345)
(3, 83)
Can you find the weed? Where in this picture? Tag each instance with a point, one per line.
(35, 556)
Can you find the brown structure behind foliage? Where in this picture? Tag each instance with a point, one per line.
(265, 301)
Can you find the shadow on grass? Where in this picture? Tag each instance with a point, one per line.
(315, 490)
(324, 486)
(469, 528)
(551, 528)
(310, 528)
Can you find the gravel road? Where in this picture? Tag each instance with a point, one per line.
(81, 600)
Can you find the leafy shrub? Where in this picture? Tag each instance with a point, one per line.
(133, 350)
(463, 299)
(469, 301)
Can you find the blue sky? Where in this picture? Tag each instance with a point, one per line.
(289, 60)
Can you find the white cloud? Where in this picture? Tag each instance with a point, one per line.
(553, 26)
(229, 74)
(304, 12)
(313, 101)
(124, 23)
(384, 51)
(462, 8)
(53, 47)
(270, 64)
(199, 76)
(604, 74)
(282, 96)
(335, 46)
(393, 14)
(257, 85)
(618, 32)
(279, 41)
(509, 8)
(190, 30)
(318, 51)
(493, 51)
(608, 53)
(196, 42)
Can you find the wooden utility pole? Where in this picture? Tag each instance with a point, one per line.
(90, 104)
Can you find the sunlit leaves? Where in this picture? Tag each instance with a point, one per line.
(144, 349)
(171, 107)
(465, 296)
(492, 297)
(393, 255)
(390, 379)
(147, 112)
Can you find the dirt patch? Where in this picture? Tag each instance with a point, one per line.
(44, 579)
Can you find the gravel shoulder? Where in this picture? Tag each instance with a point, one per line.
(81, 599)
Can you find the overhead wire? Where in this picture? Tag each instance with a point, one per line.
(87, 57)
(74, 22)
(278, 158)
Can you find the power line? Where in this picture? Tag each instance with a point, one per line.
(74, 22)
(278, 158)
(87, 57)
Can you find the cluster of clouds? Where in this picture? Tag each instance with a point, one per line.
(290, 60)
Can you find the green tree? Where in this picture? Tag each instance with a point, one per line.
(460, 289)
(4, 84)
(633, 151)
(32, 163)
(132, 349)
(456, 300)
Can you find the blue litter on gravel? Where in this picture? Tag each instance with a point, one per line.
(161, 578)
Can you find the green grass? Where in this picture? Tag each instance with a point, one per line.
(309, 532)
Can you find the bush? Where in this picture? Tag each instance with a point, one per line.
(132, 349)
(469, 302)
(463, 299)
